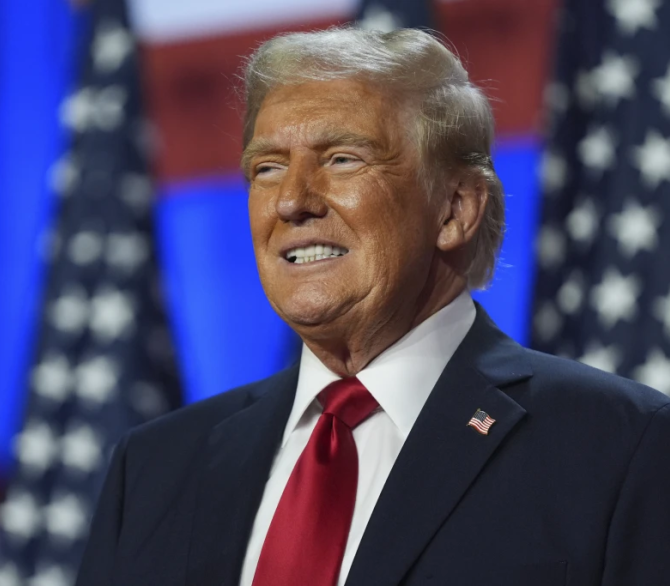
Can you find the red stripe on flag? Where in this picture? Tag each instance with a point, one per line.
(192, 85)
(515, 76)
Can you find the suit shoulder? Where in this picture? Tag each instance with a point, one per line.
(583, 386)
(189, 423)
(582, 418)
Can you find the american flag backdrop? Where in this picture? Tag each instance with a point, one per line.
(603, 286)
(92, 375)
(104, 361)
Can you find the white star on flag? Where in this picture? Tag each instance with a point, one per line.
(653, 159)
(614, 78)
(76, 111)
(36, 447)
(112, 314)
(96, 379)
(81, 448)
(103, 108)
(65, 517)
(126, 252)
(378, 18)
(655, 372)
(582, 222)
(21, 516)
(85, 247)
(111, 46)
(597, 149)
(615, 298)
(633, 15)
(635, 228)
(605, 358)
(52, 378)
(69, 313)
(51, 576)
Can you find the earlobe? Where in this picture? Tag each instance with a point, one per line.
(451, 235)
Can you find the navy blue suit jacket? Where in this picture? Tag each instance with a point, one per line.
(570, 487)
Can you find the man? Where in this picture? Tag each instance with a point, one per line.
(414, 443)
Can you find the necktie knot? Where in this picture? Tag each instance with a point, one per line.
(348, 400)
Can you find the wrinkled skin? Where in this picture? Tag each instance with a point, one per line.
(335, 162)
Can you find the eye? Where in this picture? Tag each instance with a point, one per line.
(345, 162)
(267, 168)
(341, 159)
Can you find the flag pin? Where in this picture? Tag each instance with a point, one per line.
(481, 422)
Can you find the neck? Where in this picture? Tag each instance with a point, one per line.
(349, 350)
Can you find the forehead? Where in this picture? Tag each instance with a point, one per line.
(305, 112)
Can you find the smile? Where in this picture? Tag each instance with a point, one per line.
(313, 253)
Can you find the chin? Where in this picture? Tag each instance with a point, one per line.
(307, 316)
(308, 309)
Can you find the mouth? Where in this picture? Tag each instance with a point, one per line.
(314, 253)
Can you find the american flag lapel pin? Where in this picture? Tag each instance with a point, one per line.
(481, 422)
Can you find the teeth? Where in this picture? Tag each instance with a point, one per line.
(314, 253)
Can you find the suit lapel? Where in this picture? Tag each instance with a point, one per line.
(238, 456)
(442, 455)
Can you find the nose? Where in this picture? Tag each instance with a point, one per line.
(301, 193)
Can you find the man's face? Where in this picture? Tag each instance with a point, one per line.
(333, 172)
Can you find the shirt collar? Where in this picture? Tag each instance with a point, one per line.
(401, 377)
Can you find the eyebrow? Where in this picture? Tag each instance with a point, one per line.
(264, 146)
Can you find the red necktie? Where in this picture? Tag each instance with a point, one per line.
(308, 533)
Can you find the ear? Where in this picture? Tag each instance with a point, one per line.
(462, 211)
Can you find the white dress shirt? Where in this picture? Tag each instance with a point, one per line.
(400, 379)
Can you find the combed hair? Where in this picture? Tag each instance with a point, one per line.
(454, 122)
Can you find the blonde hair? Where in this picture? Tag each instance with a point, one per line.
(454, 122)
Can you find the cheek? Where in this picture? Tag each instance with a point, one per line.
(398, 221)
(387, 259)
(401, 244)
(260, 220)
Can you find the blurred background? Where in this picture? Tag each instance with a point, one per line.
(128, 283)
